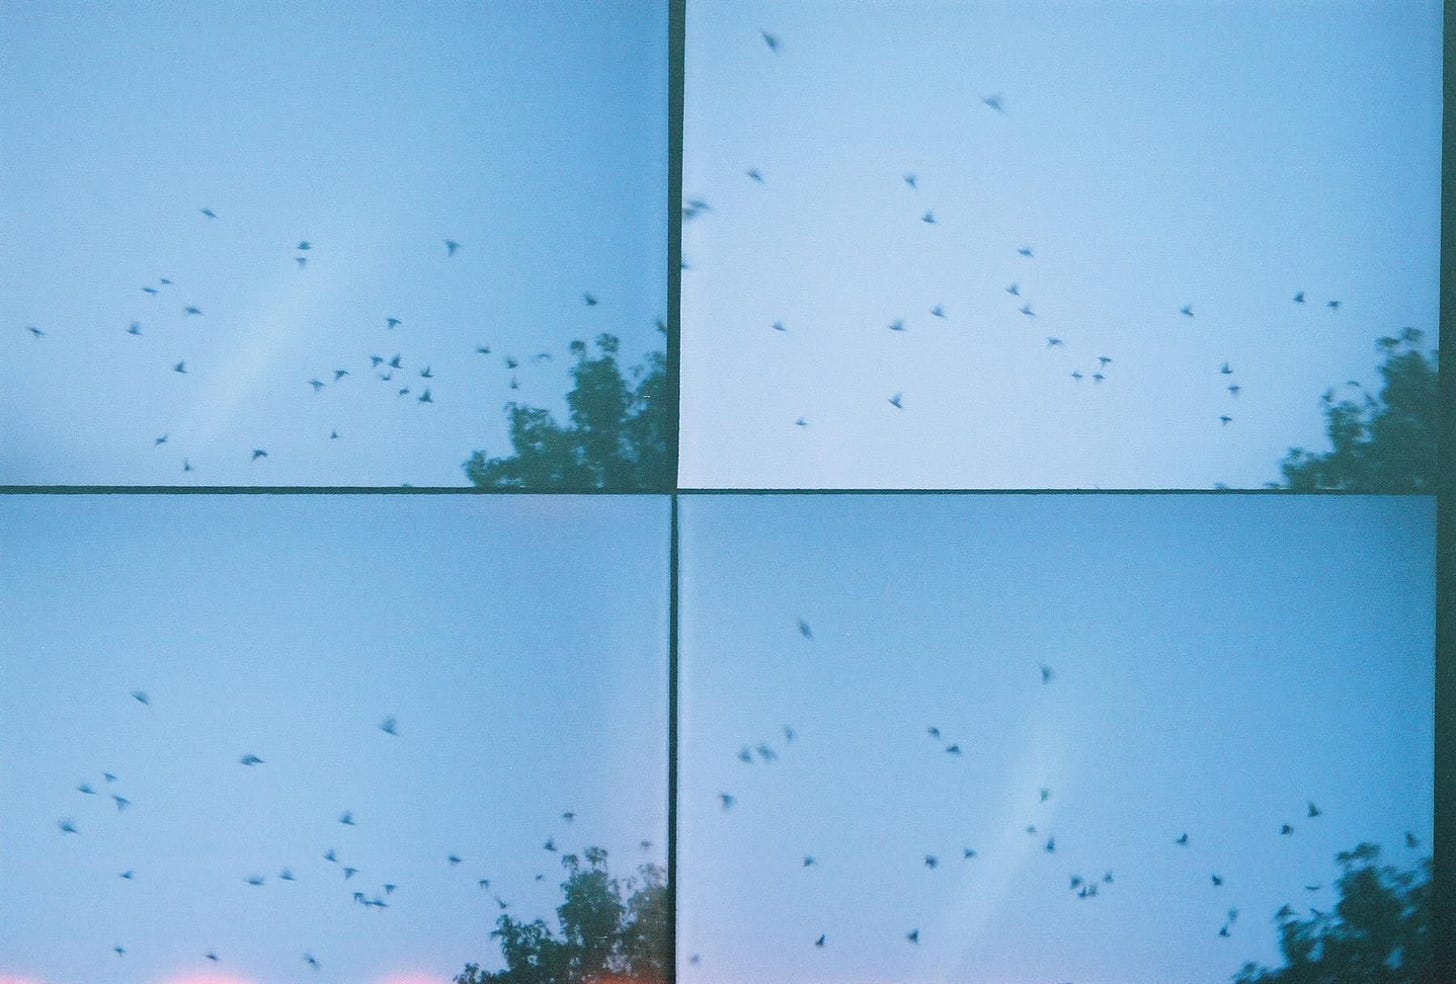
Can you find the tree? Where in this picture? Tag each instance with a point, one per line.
(1379, 932)
(610, 932)
(620, 436)
(1379, 445)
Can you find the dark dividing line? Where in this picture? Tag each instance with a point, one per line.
(706, 492)
(676, 48)
(672, 706)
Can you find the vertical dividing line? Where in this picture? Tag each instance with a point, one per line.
(672, 710)
(1443, 869)
(676, 44)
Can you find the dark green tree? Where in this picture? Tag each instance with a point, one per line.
(611, 932)
(1384, 444)
(619, 436)
(1378, 933)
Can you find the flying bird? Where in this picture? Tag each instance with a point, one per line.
(135, 329)
(1046, 673)
(913, 936)
(898, 401)
(212, 956)
(746, 755)
(121, 802)
(120, 950)
(1217, 880)
(389, 726)
(192, 310)
(968, 853)
(779, 326)
(1014, 290)
(394, 363)
(820, 941)
(1077, 375)
(180, 367)
(770, 40)
(209, 213)
(995, 102)
(286, 875)
(934, 732)
(392, 323)
(1183, 840)
(801, 422)
(250, 760)
(350, 873)
(1051, 845)
(788, 733)
(425, 396)
(340, 374)
(938, 311)
(1234, 388)
(1225, 369)
(1046, 794)
(1225, 419)
(149, 290)
(1410, 840)
(755, 174)
(928, 218)
(140, 697)
(329, 855)
(728, 800)
(931, 861)
(1053, 342)
(302, 261)
(1097, 377)
(450, 247)
(1299, 298)
(1026, 310)
(317, 384)
(305, 246)
(568, 816)
(255, 880)
(1285, 830)
(67, 826)
(1333, 305)
(309, 959)
(897, 325)
(953, 749)
(911, 180)
(766, 753)
(589, 299)
(454, 859)
(805, 631)
(186, 465)
(809, 860)
(1186, 310)
(259, 453)
(1314, 811)
(348, 819)
(85, 787)
(483, 349)
(1103, 361)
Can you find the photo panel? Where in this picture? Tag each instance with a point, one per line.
(325, 245)
(982, 245)
(368, 739)
(1051, 738)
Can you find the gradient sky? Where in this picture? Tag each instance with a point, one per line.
(519, 642)
(1151, 155)
(1218, 662)
(533, 133)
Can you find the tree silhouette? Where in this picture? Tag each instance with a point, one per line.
(1385, 444)
(610, 932)
(1379, 932)
(620, 435)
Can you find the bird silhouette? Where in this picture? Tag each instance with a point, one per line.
(305, 246)
(347, 819)
(953, 749)
(1182, 840)
(191, 310)
(1014, 290)
(968, 853)
(1077, 375)
(209, 213)
(309, 959)
(913, 936)
(1217, 880)
(140, 697)
(149, 290)
(67, 826)
(1097, 377)
(340, 374)
(333, 435)
(85, 787)
(1333, 305)
(259, 453)
(1053, 342)
(1186, 310)
(568, 816)
(186, 465)
(898, 401)
(589, 299)
(1046, 673)
(928, 218)
(1299, 298)
(801, 422)
(302, 261)
(809, 860)
(1026, 310)
(934, 732)
(250, 760)
(425, 396)
(897, 325)
(728, 800)
(1051, 845)
(805, 631)
(1284, 912)
(389, 726)
(1225, 419)
(1046, 794)
(108, 777)
(550, 844)
(330, 855)
(317, 384)
(120, 950)
(450, 247)
(483, 349)
(394, 363)
(911, 180)
(392, 323)
(788, 733)
(1103, 361)
(286, 875)
(180, 367)
(255, 880)
(746, 755)
(212, 956)
(511, 363)
(931, 861)
(121, 802)
(1224, 931)
(766, 753)
(1285, 830)
(1225, 369)
(1234, 388)
(996, 102)
(1026, 252)
(1314, 811)
(938, 311)
(135, 329)
(350, 873)
(770, 40)
(820, 941)
(1410, 840)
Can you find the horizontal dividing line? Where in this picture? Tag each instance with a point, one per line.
(637, 493)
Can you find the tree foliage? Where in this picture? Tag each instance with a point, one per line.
(610, 931)
(1384, 444)
(1379, 932)
(619, 436)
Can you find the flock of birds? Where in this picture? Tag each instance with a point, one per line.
(405, 379)
(1083, 885)
(344, 870)
(1020, 303)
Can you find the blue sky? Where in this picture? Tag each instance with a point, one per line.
(1151, 156)
(1217, 663)
(520, 644)
(533, 134)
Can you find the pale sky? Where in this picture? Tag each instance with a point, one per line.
(520, 644)
(534, 134)
(1217, 664)
(1151, 156)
